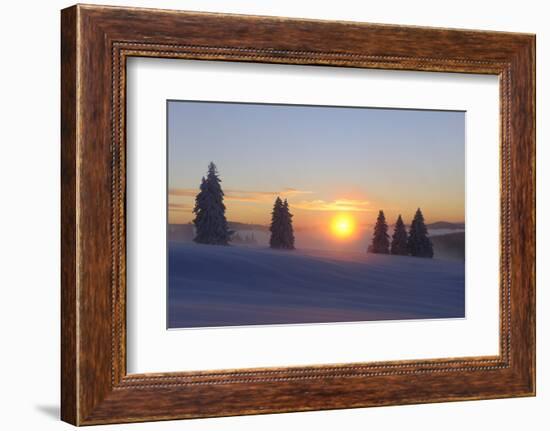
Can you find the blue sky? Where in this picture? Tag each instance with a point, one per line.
(325, 160)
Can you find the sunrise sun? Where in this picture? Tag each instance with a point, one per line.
(342, 226)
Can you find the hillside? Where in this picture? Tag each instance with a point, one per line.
(219, 286)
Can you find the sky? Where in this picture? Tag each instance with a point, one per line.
(327, 161)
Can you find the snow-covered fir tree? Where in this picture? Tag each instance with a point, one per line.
(418, 242)
(399, 238)
(282, 233)
(381, 239)
(288, 230)
(210, 223)
(275, 228)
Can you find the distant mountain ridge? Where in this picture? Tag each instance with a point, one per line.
(445, 225)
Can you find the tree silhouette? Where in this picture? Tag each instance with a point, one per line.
(288, 230)
(419, 243)
(275, 241)
(399, 238)
(282, 233)
(210, 222)
(380, 240)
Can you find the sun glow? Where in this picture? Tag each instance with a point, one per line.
(342, 226)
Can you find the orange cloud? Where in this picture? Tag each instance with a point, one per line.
(243, 195)
(335, 205)
(179, 207)
(183, 192)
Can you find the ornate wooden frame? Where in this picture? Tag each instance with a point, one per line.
(96, 41)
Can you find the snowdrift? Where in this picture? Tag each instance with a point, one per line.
(227, 286)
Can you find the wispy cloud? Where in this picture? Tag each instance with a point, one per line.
(289, 191)
(244, 195)
(259, 196)
(352, 205)
(182, 192)
(179, 207)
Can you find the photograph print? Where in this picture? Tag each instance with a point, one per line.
(301, 214)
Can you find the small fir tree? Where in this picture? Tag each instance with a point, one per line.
(399, 238)
(380, 240)
(419, 243)
(210, 223)
(282, 233)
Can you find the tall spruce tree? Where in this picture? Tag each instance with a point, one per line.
(276, 229)
(282, 233)
(380, 240)
(210, 223)
(399, 238)
(419, 243)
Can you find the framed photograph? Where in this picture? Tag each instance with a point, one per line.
(266, 215)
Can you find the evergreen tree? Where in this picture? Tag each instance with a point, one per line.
(419, 243)
(210, 223)
(282, 233)
(399, 238)
(381, 239)
(288, 230)
(275, 241)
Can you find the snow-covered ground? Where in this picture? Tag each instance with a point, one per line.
(227, 286)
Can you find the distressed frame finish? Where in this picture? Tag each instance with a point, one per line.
(96, 41)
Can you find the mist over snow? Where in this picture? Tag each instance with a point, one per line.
(448, 241)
